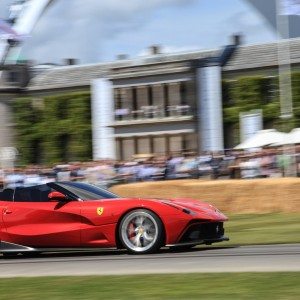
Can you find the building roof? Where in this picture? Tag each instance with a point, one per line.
(245, 57)
(81, 75)
(261, 56)
(68, 76)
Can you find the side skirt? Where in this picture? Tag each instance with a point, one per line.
(199, 242)
(7, 247)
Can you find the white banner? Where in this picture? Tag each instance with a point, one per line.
(290, 7)
(8, 153)
(250, 124)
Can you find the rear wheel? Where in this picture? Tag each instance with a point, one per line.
(141, 231)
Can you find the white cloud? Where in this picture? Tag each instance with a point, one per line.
(4, 5)
(97, 30)
(252, 26)
(81, 28)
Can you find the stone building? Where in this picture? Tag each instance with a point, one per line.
(13, 82)
(159, 104)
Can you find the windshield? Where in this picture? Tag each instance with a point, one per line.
(85, 191)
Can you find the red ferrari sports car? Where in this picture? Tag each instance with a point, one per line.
(71, 215)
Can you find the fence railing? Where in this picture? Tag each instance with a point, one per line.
(153, 111)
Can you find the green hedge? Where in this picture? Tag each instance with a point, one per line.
(258, 92)
(54, 129)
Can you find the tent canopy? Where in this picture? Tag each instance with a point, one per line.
(262, 138)
(291, 138)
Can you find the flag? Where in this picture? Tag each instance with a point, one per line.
(290, 7)
(8, 33)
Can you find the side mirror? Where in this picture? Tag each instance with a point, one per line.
(57, 196)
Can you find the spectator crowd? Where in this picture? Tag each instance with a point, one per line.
(231, 164)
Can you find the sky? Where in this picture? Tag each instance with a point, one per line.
(97, 31)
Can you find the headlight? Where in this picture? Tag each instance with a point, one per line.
(183, 209)
(189, 212)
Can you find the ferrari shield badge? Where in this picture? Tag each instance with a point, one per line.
(100, 211)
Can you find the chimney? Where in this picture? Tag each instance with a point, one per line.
(122, 56)
(237, 39)
(70, 61)
(154, 50)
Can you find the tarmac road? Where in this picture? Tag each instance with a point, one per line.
(271, 258)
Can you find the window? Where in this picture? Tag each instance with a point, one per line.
(166, 98)
(159, 145)
(118, 103)
(176, 144)
(7, 195)
(128, 147)
(37, 193)
(150, 95)
(183, 98)
(144, 146)
(86, 191)
(13, 77)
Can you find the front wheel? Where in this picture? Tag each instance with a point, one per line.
(141, 231)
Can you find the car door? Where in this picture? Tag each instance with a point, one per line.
(3, 205)
(32, 220)
(6, 196)
(99, 219)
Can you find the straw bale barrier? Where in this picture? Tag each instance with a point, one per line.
(233, 196)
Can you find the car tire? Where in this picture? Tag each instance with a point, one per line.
(141, 231)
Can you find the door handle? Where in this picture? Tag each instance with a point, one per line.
(7, 211)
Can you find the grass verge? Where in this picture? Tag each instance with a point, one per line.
(184, 286)
(263, 229)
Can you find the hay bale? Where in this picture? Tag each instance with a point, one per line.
(234, 196)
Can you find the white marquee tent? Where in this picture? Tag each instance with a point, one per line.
(291, 138)
(263, 138)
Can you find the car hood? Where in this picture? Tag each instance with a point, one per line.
(202, 209)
